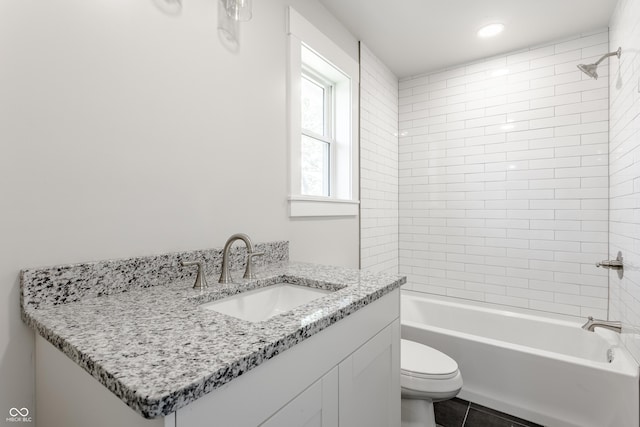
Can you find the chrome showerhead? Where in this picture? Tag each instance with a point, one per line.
(591, 70)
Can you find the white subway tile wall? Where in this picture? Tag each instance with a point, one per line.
(624, 154)
(504, 179)
(378, 165)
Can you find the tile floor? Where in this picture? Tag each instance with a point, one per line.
(460, 413)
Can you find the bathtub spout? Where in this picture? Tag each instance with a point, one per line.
(592, 323)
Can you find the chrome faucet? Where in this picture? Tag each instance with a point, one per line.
(612, 325)
(225, 275)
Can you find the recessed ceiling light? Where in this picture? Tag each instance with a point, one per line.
(500, 72)
(490, 30)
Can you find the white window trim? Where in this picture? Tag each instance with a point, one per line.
(302, 31)
(321, 206)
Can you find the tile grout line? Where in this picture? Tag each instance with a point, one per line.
(466, 414)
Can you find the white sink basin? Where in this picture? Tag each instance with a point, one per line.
(261, 304)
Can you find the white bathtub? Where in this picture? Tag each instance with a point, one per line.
(547, 371)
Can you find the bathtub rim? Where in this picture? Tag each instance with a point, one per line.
(498, 307)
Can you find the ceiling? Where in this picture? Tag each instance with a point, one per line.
(415, 36)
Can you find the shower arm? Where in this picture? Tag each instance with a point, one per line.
(617, 53)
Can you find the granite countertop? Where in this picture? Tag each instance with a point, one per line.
(158, 351)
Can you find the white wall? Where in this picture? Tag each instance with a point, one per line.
(378, 164)
(624, 154)
(125, 131)
(503, 179)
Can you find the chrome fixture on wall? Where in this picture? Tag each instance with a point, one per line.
(238, 10)
(613, 264)
(591, 70)
(612, 325)
(230, 14)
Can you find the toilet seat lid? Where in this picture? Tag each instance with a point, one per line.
(421, 361)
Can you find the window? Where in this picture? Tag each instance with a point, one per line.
(317, 135)
(323, 99)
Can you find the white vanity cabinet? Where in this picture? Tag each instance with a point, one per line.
(317, 406)
(370, 382)
(346, 375)
(361, 391)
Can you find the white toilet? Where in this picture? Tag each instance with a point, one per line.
(427, 376)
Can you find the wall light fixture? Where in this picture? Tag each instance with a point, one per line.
(230, 14)
(238, 10)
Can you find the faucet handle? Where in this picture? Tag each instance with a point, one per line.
(248, 272)
(201, 280)
(614, 264)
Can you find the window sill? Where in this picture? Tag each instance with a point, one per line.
(307, 206)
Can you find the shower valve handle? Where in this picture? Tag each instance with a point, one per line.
(614, 264)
